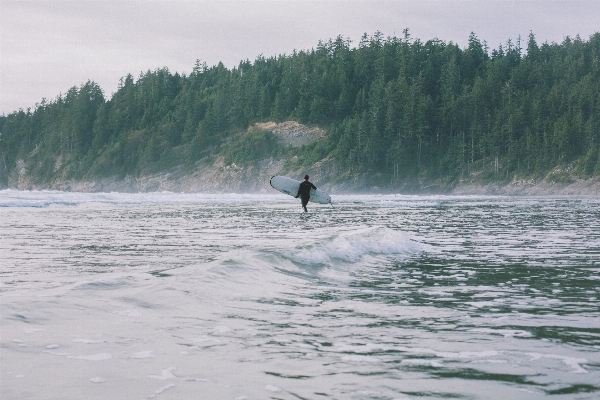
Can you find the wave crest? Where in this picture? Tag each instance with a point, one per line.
(353, 246)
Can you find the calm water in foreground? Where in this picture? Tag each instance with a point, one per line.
(173, 296)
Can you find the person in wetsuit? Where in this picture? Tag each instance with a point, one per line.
(304, 191)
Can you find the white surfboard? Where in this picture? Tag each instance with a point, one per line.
(290, 186)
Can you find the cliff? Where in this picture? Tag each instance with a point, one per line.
(213, 175)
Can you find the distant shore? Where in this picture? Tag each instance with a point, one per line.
(219, 178)
(215, 174)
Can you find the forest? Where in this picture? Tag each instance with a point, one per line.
(400, 108)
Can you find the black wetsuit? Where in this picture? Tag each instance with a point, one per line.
(304, 193)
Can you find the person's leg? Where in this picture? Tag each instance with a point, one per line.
(304, 203)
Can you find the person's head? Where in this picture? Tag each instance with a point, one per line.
(305, 177)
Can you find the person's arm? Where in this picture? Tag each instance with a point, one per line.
(313, 186)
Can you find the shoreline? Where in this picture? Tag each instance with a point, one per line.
(217, 177)
(194, 184)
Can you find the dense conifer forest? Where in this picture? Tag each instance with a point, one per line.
(397, 107)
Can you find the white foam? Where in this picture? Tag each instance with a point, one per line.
(407, 203)
(468, 354)
(352, 246)
(87, 341)
(94, 357)
(490, 361)
(359, 349)
(97, 379)
(273, 388)
(503, 332)
(143, 354)
(355, 358)
(571, 362)
(162, 389)
(421, 362)
(46, 198)
(164, 374)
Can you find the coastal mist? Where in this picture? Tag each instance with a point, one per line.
(183, 296)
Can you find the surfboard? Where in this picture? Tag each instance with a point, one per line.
(290, 187)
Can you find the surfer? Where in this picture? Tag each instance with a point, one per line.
(304, 191)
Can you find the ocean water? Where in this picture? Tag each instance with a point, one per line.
(194, 296)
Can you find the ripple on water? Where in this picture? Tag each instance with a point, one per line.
(382, 296)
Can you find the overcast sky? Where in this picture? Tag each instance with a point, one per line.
(48, 46)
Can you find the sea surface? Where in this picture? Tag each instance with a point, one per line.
(195, 296)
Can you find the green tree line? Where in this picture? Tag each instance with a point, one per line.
(398, 107)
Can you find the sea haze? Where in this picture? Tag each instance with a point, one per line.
(165, 295)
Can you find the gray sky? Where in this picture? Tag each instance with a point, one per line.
(48, 46)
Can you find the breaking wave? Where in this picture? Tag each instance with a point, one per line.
(353, 246)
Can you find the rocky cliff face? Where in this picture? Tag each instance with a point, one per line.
(216, 177)
(213, 177)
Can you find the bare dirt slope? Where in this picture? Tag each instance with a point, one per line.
(291, 133)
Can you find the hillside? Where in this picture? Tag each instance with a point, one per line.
(215, 176)
(389, 115)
